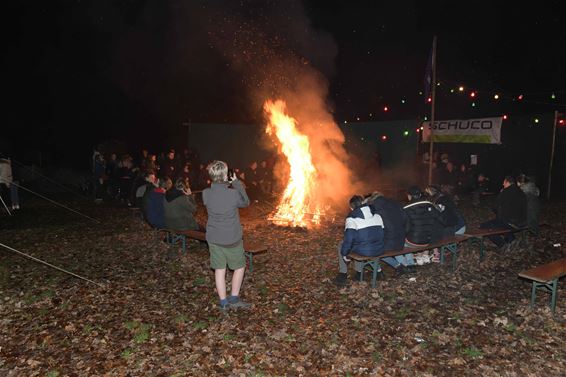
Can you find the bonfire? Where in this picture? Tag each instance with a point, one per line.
(297, 206)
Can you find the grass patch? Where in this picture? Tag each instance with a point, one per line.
(141, 330)
(87, 329)
(30, 299)
(283, 309)
(52, 373)
(472, 352)
(131, 325)
(43, 311)
(48, 293)
(127, 353)
(402, 313)
(263, 290)
(181, 319)
(200, 325)
(199, 281)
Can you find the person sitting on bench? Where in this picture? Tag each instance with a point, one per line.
(511, 212)
(424, 225)
(453, 220)
(180, 207)
(363, 234)
(394, 223)
(154, 210)
(528, 185)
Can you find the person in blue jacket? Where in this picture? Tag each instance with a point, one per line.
(363, 234)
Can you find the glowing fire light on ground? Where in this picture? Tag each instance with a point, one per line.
(295, 207)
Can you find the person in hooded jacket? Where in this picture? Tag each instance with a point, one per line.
(363, 234)
(153, 204)
(424, 225)
(510, 212)
(180, 207)
(527, 184)
(394, 224)
(453, 220)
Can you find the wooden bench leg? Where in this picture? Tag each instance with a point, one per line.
(478, 241)
(554, 288)
(551, 287)
(533, 294)
(374, 265)
(453, 249)
(250, 257)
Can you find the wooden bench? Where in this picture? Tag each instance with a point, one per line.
(478, 235)
(449, 244)
(175, 236)
(545, 278)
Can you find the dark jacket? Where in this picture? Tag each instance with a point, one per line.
(451, 217)
(153, 210)
(424, 224)
(180, 210)
(394, 222)
(363, 233)
(512, 206)
(223, 226)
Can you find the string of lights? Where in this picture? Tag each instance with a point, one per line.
(474, 94)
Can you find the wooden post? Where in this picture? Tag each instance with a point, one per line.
(551, 154)
(433, 101)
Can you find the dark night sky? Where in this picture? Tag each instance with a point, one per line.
(79, 72)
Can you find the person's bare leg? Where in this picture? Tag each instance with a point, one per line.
(234, 299)
(220, 279)
(237, 279)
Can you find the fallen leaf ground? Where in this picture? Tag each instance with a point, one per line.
(156, 314)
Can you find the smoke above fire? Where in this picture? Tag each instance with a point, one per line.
(283, 58)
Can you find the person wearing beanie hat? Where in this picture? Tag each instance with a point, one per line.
(424, 224)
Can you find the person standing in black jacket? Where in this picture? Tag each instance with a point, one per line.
(511, 212)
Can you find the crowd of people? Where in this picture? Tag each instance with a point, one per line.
(121, 178)
(377, 224)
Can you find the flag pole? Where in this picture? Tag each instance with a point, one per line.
(433, 101)
(551, 154)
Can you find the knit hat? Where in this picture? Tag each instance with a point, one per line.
(414, 191)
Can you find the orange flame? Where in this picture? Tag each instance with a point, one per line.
(295, 205)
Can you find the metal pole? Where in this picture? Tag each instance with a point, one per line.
(433, 101)
(551, 154)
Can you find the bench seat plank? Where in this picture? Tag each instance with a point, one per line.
(546, 272)
(449, 244)
(250, 247)
(446, 241)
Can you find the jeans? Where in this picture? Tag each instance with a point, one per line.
(342, 266)
(462, 230)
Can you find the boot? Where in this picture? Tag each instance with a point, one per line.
(341, 279)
